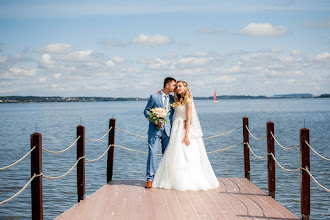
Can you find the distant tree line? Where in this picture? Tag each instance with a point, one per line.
(32, 99)
(324, 96)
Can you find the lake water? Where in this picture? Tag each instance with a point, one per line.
(57, 123)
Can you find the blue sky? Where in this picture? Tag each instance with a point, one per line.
(127, 48)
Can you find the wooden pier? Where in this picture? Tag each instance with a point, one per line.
(236, 198)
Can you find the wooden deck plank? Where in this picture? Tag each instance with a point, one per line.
(270, 206)
(199, 206)
(236, 198)
(135, 200)
(248, 207)
(232, 207)
(174, 205)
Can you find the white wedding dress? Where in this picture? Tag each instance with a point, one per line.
(185, 167)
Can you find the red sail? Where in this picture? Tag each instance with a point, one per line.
(215, 95)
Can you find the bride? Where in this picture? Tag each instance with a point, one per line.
(185, 165)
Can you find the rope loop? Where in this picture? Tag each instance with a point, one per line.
(6, 167)
(59, 177)
(258, 157)
(316, 152)
(258, 139)
(101, 155)
(101, 137)
(287, 170)
(317, 183)
(57, 152)
(222, 133)
(285, 148)
(131, 133)
(227, 148)
(21, 190)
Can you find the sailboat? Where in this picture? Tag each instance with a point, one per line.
(215, 97)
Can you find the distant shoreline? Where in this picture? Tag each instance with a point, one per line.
(42, 99)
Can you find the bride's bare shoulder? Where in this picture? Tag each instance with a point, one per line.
(190, 100)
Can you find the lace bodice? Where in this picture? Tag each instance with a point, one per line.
(180, 112)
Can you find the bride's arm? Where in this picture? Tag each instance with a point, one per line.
(188, 121)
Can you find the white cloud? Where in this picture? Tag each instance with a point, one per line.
(19, 73)
(56, 48)
(153, 41)
(324, 57)
(263, 29)
(115, 60)
(225, 79)
(57, 75)
(118, 59)
(46, 61)
(296, 52)
(194, 61)
(110, 63)
(42, 79)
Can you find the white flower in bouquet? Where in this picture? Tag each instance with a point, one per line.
(158, 117)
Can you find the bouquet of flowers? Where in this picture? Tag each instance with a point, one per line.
(158, 117)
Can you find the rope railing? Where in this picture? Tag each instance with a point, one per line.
(317, 183)
(287, 170)
(131, 133)
(100, 156)
(143, 152)
(57, 152)
(259, 157)
(203, 138)
(99, 138)
(227, 148)
(286, 148)
(222, 133)
(21, 190)
(59, 177)
(13, 164)
(133, 150)
(258, 139)
(316, 152)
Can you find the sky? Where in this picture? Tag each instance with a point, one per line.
(126, 48)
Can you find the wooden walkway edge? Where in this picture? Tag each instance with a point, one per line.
(236, 198)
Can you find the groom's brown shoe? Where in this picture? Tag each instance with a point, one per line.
(148, 185)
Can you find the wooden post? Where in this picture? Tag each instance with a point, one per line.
(246, 148)
(304, 177)
(81, 163)
(271, 162)
(112, 124)
(36, 168)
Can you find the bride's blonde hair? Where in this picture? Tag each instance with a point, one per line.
(182, 99)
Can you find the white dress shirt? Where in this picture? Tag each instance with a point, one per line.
(166, 105)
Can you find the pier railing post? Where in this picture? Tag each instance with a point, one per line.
(111, 141)
(81, 163)
(246, 148)
(271, 162)
(304, 177)
(36, 168)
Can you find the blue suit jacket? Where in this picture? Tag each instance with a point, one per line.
(155, 101)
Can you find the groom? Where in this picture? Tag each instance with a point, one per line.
(162, 136)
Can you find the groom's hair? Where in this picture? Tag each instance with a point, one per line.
(168, 80)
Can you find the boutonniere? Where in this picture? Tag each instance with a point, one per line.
(173, 105)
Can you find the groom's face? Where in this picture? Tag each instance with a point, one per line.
(171, 86)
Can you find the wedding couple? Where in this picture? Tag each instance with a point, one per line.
(184, 165)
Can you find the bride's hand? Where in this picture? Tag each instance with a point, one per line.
(186, 141)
